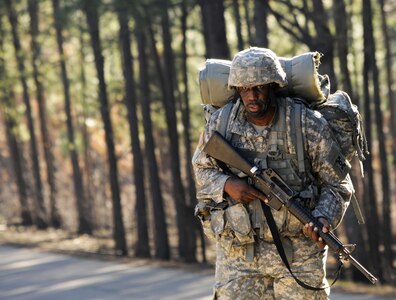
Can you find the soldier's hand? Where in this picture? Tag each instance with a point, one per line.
(312, 232)
(239, 190)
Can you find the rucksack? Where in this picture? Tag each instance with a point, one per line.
(301, 72)
(305, 85)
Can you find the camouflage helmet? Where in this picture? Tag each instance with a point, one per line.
(256, 66)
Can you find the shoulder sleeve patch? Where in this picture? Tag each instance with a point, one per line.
(338, 161)
(317, 114)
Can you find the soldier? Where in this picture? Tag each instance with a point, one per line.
(262, 126)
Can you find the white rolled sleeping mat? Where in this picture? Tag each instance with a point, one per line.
(304, 81)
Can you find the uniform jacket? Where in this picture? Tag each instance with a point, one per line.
(334, 189)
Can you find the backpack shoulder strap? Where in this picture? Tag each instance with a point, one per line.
(297, 131)
(224, 118)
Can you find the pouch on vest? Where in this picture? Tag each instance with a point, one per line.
(217, 221)
(239, 221)
(203, 212)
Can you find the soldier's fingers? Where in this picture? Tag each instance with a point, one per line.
(263, 198)
(313, 232)
(258, 195)
(321, 243)
(305, 230)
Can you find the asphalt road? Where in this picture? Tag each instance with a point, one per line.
(30, 274)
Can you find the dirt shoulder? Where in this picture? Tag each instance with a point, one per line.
(101, 247)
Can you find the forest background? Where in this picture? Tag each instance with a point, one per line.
(101, 112)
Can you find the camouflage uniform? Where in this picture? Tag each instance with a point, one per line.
(248, 265)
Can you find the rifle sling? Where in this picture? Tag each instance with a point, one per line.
(279, 246)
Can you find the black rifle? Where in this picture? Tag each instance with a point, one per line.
(278, 194)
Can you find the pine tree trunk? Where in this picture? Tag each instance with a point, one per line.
(87, 169)
(6, 105)
(170, 111)
(353, 230)
(84, 224)
(237, 19)
(40, 211)
(386, 230)
(213, 24)
(356, 233)
(194, 223)
(370, 200)
(55, 219)
(10, 127)
(323, 42)
(341, 39)
(90, 9)
(387, 209)
(142, 248)
(162, 250)
(248, 21)
(260, 23)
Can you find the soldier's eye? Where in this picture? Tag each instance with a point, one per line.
(242, 89)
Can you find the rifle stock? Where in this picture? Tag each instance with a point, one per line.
(278, 193)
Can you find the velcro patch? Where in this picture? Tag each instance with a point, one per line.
(338, 161)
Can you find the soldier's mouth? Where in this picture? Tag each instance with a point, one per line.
(254, 107)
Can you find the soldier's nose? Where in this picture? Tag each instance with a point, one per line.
(249, 94)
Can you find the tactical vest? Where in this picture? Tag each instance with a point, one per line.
(285, 155)
(285, 147)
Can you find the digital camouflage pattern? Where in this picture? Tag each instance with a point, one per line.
(346, 123)
(320, 147)
(256, 66)
(266, 276)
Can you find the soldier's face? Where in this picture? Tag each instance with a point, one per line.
(255, 99)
